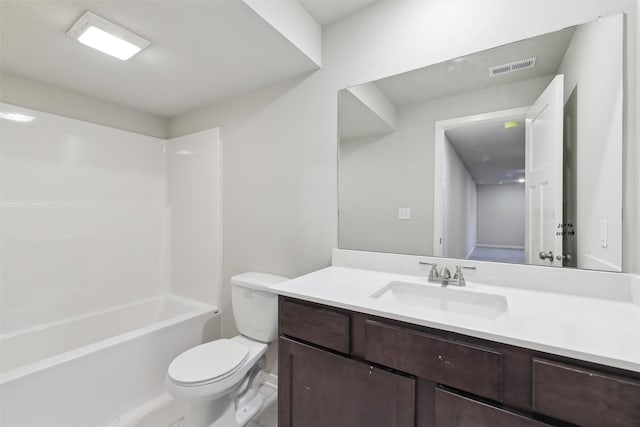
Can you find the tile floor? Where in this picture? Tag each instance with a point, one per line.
(514, 256)
(268, 416)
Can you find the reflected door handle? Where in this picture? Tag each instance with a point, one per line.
(565, 257)
(543, 255)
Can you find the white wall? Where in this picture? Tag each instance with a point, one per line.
(592, 63)
(501, 215)
(83, 218)
(193, 191)
(459, 208)
(378, 175)
(279, 143)
(18, 90)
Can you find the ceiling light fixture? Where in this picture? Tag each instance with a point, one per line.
(105, 36)
(16, 117)
(512, 124)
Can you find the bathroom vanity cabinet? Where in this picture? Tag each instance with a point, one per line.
(342, 368)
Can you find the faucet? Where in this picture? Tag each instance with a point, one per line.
(444, 275)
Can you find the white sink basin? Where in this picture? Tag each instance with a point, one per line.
(453, 300)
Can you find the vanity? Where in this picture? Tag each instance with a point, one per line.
(490, 161)
(350, 355)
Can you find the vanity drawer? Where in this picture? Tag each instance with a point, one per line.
(453, 410)
(315, 324)
(583, 396)
(475, 369)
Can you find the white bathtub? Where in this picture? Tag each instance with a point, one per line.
(89, 370)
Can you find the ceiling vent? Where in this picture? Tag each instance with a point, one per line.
(511, 67)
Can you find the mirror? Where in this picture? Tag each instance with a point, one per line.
(512, 154)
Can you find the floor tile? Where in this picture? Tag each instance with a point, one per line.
(268, 417)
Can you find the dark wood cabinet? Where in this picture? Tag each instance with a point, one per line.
(343, 368)
(320, 389)
(584, 396)
(453, 410)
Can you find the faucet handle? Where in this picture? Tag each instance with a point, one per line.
(459, 270)
(434, 268)
(458, 276)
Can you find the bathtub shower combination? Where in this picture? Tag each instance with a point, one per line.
(109, 266)
(91, 369)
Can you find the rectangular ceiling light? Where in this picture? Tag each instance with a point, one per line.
(105, 36)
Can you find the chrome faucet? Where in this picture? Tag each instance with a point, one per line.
(444, 275)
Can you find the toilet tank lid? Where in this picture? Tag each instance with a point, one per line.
(258, 281)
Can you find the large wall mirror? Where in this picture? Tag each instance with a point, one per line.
(512, 154)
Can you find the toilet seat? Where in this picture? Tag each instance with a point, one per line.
(207, 363)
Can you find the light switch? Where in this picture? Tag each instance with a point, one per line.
(603, 233)
(404, 213)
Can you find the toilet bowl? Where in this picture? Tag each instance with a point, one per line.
(219, 380)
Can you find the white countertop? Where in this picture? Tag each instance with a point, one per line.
(586, 328)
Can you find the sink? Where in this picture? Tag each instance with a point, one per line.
(452, 300)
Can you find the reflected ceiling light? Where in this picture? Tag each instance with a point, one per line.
(521, 180)
(107, 37)
(16, 117)
(511, 124)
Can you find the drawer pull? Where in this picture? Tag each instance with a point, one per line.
(443, 360)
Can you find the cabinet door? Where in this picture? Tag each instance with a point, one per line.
(453, 410)
(320, 389)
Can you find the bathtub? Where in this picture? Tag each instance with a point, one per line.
(89, 370)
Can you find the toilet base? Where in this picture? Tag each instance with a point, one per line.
(222, 413)
(216, 413)
(250, 410)
(234, 409)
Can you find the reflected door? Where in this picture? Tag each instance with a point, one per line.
(543, 176)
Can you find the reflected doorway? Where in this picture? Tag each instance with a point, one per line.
(482, 165)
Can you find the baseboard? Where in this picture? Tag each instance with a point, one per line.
(270, 379)
(499, 246)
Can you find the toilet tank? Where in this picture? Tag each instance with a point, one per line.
(255, 307)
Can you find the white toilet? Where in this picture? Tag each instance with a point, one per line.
(219, 380)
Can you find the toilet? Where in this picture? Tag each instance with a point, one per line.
(218, 381)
